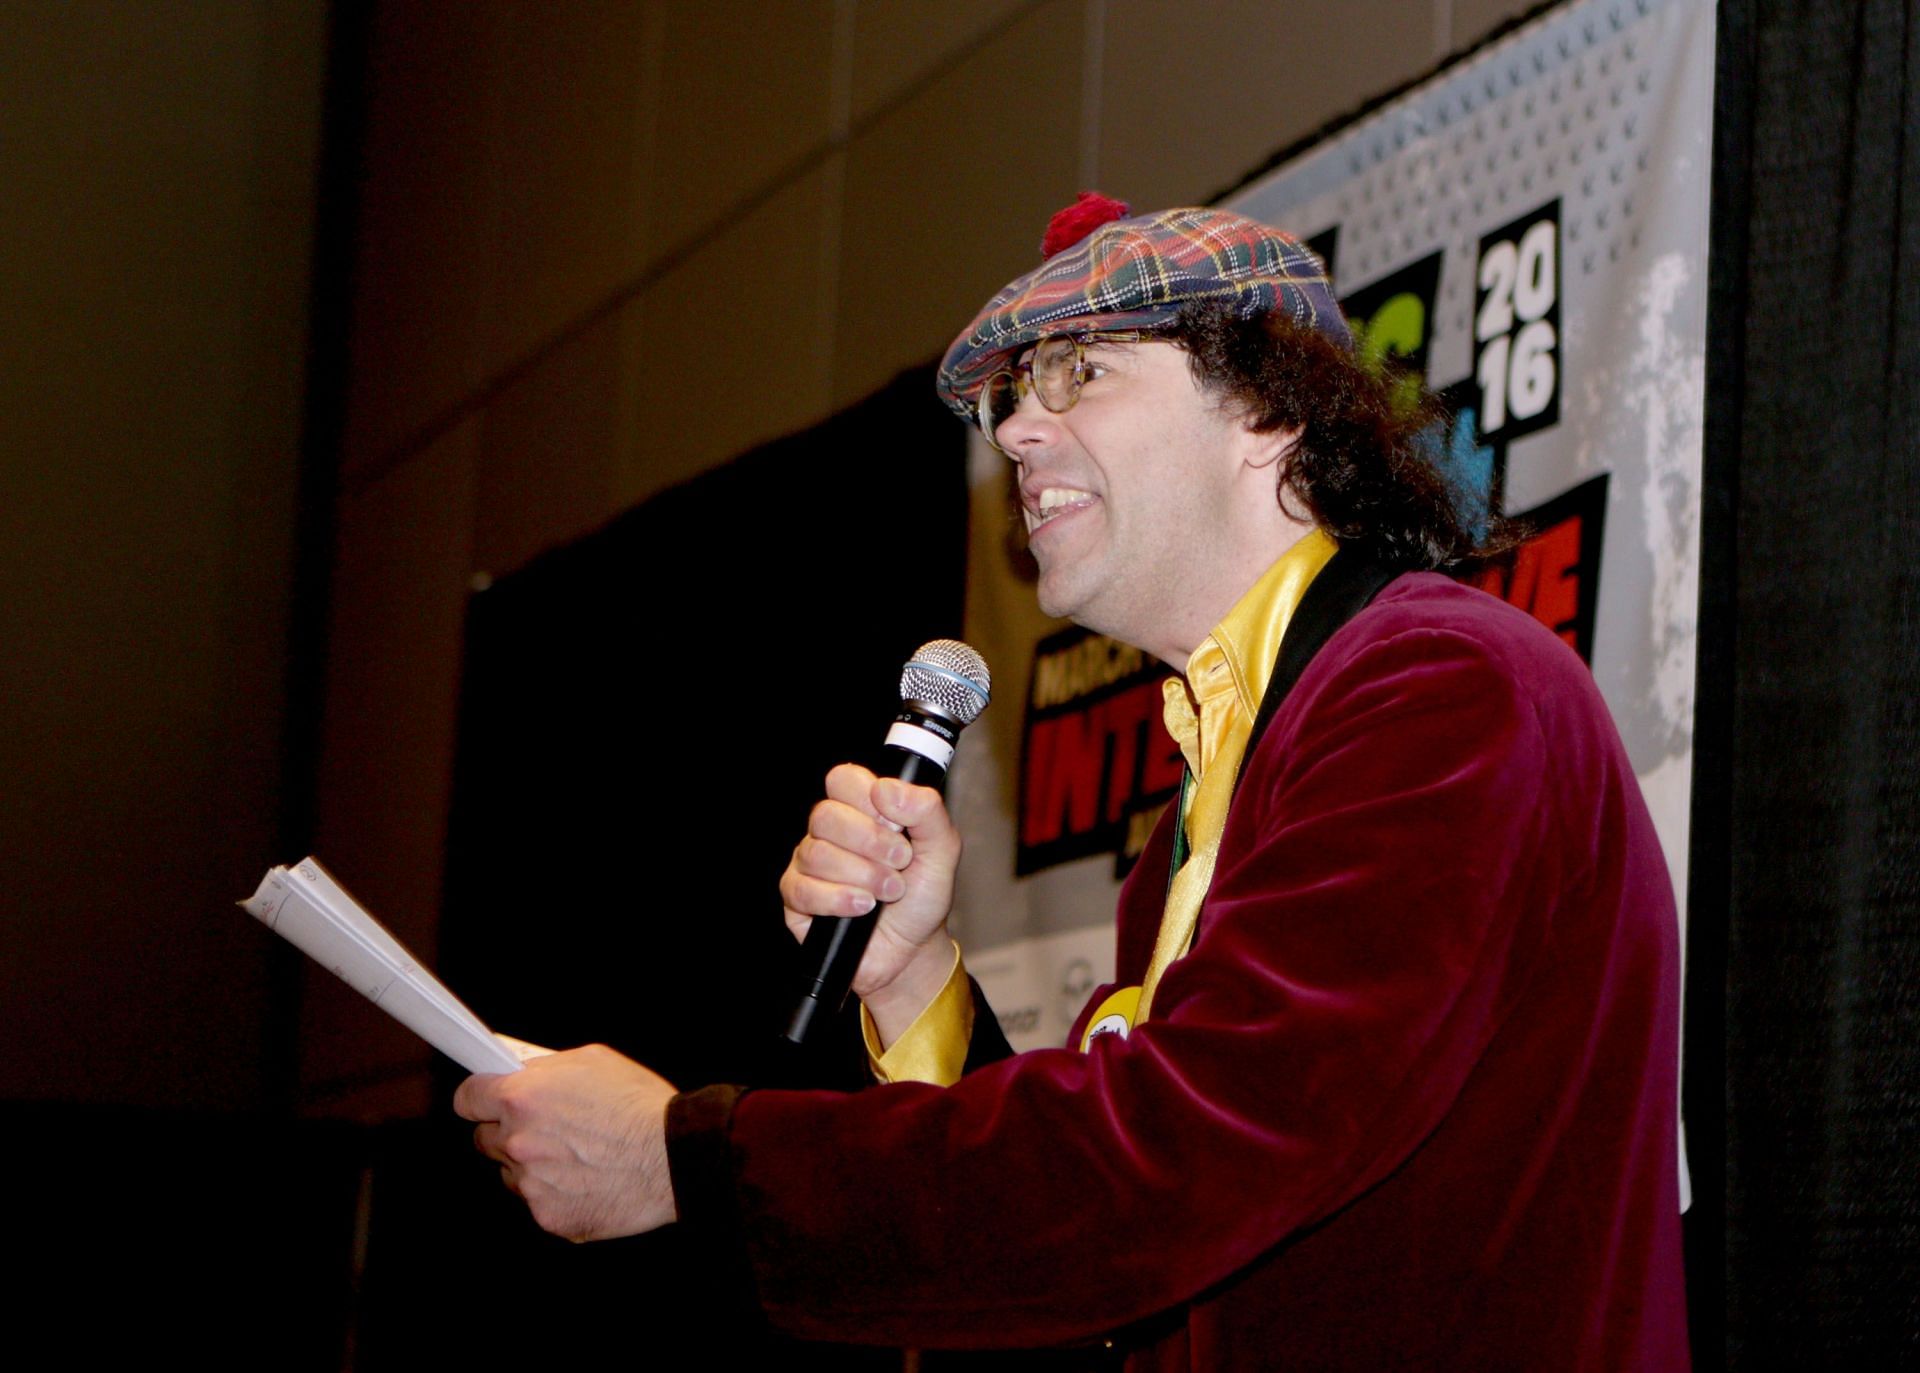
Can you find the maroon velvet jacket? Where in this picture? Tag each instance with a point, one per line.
(1407, 1102)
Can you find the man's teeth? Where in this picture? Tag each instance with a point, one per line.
(1056, 498)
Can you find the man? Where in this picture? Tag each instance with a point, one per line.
(1389, 1077)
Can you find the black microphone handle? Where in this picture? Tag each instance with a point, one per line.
(834, 944)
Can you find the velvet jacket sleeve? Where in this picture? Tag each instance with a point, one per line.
(1387, 876)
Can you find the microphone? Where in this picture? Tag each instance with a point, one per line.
(943, 689)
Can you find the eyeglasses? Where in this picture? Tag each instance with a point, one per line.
(1054, 371)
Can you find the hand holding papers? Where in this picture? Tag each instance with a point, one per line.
(304, 905)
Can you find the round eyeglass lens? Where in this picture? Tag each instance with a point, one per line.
(1053, 371)
(1056, 372)
(998, 401)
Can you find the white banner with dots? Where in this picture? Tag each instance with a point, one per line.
(1530, 230)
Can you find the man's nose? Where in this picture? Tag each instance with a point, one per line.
(1029, 431)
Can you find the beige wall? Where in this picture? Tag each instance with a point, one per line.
(154, 245)
(607, 246)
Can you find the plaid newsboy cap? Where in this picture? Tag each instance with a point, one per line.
(1136, 273)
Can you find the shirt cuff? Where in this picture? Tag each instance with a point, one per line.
(934, 1047)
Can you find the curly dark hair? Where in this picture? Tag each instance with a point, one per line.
(1363, 468)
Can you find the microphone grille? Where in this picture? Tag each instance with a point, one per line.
(950, 676)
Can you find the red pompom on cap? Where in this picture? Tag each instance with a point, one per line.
(1088, 212)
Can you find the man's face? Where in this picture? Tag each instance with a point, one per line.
(1130, 495)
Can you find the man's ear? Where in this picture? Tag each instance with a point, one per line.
(1261, 451)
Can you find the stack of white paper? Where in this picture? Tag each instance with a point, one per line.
(304, 905)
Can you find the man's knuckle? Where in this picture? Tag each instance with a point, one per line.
(545, 1214)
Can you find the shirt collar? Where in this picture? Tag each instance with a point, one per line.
(1227, 674)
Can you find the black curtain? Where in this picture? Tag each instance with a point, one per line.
(1807, 853)
(646, 718)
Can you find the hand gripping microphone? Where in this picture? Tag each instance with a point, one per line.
(943, 689)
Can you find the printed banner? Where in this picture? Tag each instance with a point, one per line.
(1528, 231)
